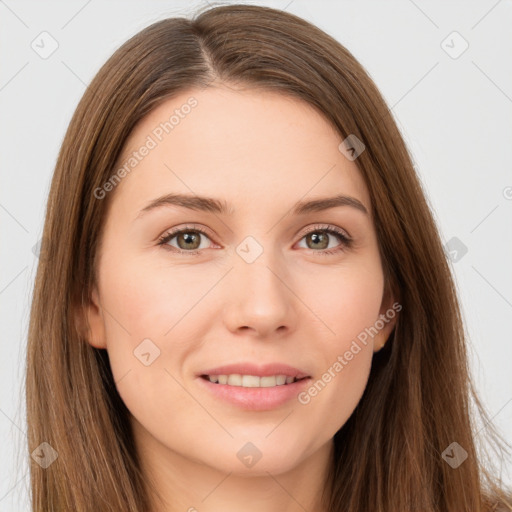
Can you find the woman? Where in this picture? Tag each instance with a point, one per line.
(190, 347)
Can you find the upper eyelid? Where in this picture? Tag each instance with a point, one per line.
(327, 227)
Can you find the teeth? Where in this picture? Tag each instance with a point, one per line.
(251, 381)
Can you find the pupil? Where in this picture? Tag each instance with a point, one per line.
(315, 237)
(189, 238)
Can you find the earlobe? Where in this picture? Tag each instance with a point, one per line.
(92, 324)
(382, 337)
(387, 317)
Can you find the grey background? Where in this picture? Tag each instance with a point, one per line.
(455, 114)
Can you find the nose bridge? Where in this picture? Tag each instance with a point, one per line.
(261, 298)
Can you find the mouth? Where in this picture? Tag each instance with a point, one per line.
(252, 381)
(253, 392)
(253, 387)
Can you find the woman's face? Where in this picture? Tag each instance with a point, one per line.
(265, 284)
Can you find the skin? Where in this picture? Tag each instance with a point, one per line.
(261, 152)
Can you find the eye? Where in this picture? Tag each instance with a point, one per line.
(319, 237)
(188, 239)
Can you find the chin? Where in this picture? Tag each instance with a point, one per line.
(253, 458)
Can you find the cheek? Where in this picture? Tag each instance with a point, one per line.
(141, 304)
(345, 301)
(347, 313)
(147, 299)
(154, 319)
(136, 315)
(338, 387)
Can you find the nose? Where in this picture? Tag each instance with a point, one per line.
(259, 298)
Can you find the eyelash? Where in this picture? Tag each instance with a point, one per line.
(345, 241)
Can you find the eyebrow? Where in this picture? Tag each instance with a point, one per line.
(221, 207)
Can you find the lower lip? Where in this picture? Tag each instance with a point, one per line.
(256, 399)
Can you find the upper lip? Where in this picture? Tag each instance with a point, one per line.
(256, 370)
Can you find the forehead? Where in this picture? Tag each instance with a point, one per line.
(238, 145)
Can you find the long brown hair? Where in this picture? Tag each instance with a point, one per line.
(419, 398)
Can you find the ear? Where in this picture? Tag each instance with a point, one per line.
(91, 323)
(387, 318)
